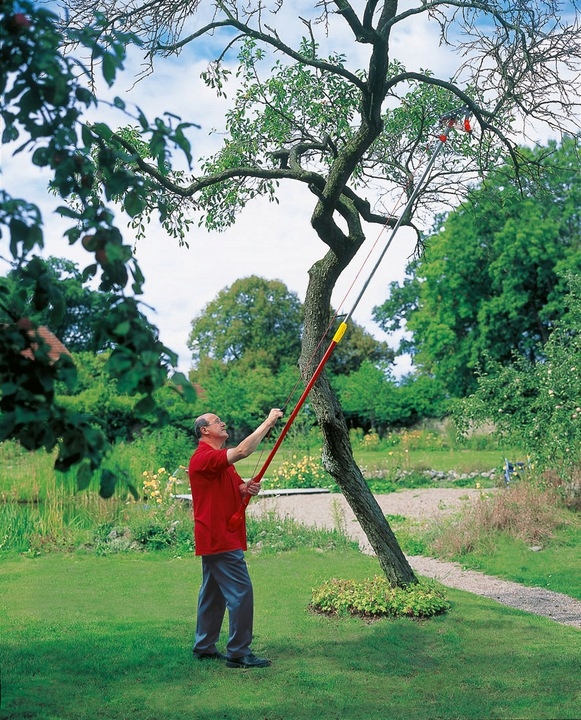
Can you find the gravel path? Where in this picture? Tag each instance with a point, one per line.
(332, 511)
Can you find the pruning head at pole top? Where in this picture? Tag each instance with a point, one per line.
(458, 119)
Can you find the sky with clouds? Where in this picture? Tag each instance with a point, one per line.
(274, 241)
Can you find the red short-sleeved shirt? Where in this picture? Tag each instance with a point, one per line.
(216, 497)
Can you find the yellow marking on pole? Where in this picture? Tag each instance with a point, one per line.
(340, 332)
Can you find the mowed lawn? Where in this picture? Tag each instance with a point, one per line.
(89, 638)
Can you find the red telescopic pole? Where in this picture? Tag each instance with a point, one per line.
(236, 519)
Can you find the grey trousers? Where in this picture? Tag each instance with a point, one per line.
(225, 584)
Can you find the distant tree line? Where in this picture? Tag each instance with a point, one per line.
(245, 345)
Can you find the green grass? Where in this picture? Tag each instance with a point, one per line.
(88, 637)
(102, 634)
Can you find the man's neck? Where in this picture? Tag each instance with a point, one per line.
(216, 445)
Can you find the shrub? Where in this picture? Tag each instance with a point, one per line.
(160, 531)
(370, 441)
(152, 526)
(374, 598)
(536, 405)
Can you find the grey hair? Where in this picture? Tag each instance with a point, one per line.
(198, 425)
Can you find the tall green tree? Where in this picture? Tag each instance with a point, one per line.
(253, 316)
(492, 281)
(245, 344)
(353, 135)
(262, 321)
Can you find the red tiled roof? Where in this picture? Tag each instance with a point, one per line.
(56, 348)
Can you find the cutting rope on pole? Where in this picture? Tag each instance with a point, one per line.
(459, 119)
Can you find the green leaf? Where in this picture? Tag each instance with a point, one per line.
(108, 483)
(27, 236)
(103, 130)
(68, 212)
(41, 156)
(134, 203)
(123, 328)
(87, 136)
(184, 387)
(84, 475)
(145, 405)
(110, 66)
(90, 271)
(85, 96)
(10, 133)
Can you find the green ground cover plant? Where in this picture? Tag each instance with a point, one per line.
(375, 597)
(117, 644)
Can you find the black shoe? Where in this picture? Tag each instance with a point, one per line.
(247, 661)
(209, 656)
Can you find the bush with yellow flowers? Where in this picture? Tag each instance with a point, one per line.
(305, 472)
(162, 522)
(159, 487)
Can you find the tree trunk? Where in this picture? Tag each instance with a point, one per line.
(338, 457)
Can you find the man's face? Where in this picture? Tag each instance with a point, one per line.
(215, 429)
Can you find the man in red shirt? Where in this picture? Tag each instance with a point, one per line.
(217, 491)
